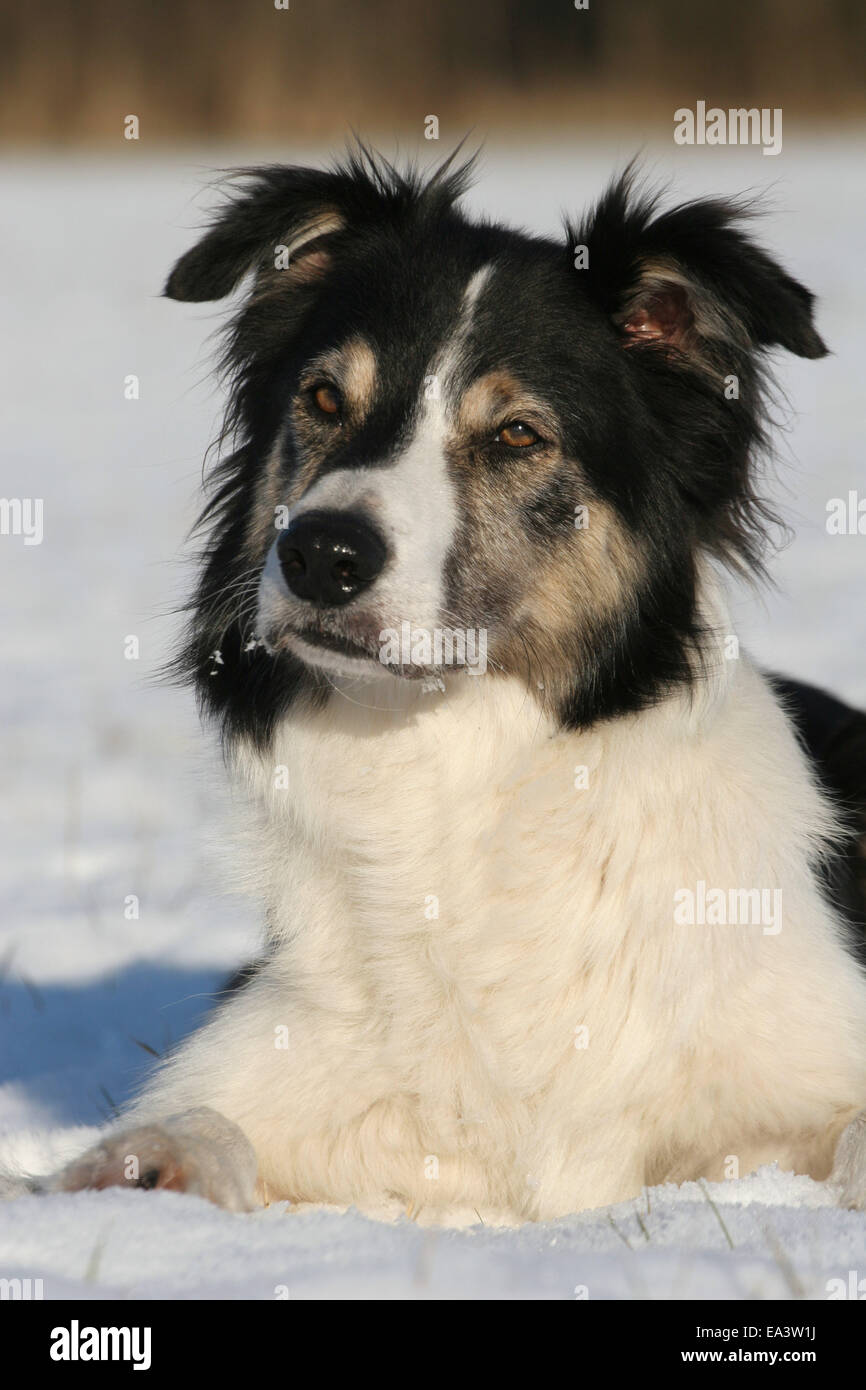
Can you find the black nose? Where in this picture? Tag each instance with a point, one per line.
(329, 557)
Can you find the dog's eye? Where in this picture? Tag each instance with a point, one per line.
(517, 435)
(327, 398)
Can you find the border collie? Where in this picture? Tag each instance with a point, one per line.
(540, 849)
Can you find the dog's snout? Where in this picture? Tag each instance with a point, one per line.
(329, 557)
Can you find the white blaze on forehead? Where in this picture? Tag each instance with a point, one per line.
(413, 501)
(474, 288)
(449, 356)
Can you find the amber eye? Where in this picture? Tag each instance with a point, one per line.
(517, 435)
(327, 398)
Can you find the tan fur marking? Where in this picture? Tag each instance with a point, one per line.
(497, 395)
(302, 267)
(579, 582)
(544, 596)
(353, 368)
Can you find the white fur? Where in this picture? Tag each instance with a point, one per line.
(431, 1061)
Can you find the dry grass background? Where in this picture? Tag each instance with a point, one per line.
(194, 70)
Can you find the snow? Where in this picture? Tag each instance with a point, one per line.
(789, 1242)
(111, 791)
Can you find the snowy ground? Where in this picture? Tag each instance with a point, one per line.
(109, 789)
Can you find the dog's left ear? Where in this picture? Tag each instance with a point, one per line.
(690, 279)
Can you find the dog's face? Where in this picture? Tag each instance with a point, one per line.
(463, 448)
(426, 470)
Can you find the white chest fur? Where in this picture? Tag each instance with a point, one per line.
(476, 917)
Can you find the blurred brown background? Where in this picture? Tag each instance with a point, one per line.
(243, 69)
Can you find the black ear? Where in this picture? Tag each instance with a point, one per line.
(690, 279)
(283, 206)
(271, 208)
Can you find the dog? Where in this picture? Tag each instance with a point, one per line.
(542, 853)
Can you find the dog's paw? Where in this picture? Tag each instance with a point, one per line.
(849, 1165)
(198, 1152)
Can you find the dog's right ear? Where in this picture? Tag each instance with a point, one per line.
(291, 212)
(276, 210)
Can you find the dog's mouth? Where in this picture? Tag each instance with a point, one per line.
(334, 642)
(318, 646)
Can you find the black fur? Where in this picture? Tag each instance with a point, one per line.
(834, 736)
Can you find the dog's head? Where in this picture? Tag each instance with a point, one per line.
(461, 443)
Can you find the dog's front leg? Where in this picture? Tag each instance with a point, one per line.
(197, 1151)
(849, 1165)
(233, 1103)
